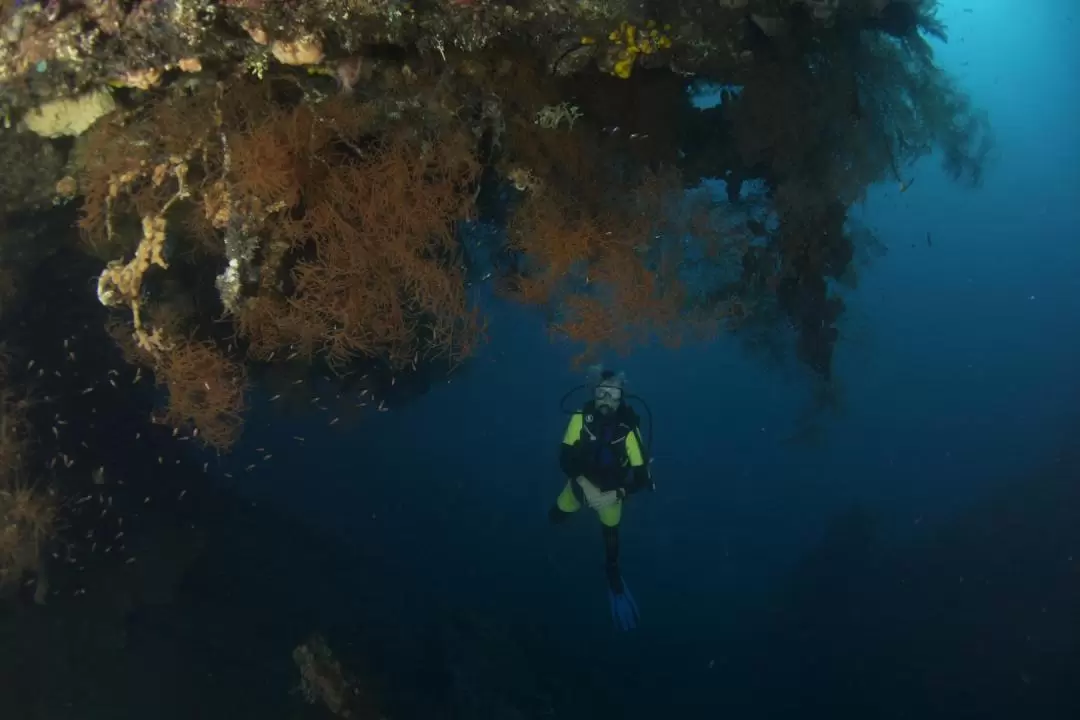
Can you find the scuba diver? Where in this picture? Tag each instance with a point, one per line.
(604, 459)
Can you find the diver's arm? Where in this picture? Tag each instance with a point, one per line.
(640, 476)
(569, 453)
(570, 461)
(640, 479)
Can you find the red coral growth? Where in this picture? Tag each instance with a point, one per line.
(598, 260)
(27, 513)
(264, 162)
(379, 273)
(111, 158)
(27, 523)
(597, 241)
(206, 391)
(124, 165)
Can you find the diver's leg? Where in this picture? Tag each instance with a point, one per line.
(611, 545)
(624, 610)
(557, 516)
(565, 505)
(609, 522)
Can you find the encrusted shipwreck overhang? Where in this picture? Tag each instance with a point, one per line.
(283, 135)
(53, 48)
(62, 62)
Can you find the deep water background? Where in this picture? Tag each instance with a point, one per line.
(913, 551)
(919, 558)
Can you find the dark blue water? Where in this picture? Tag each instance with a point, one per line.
(911, 550)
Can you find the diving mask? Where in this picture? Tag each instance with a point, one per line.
(607, 398)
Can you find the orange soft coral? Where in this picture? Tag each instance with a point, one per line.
(380, 274)
(206, 391)
(27, 522)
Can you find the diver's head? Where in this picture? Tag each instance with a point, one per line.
(608, 393)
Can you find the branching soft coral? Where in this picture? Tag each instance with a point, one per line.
(605, 264)
(206, 391)
(264, 164)
(379, 273)
(27, 523)
(27, 513)
(124, 165)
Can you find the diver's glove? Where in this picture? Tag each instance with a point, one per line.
(596, 498)
(605, 499)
